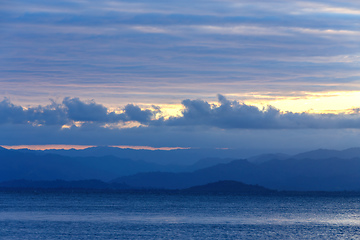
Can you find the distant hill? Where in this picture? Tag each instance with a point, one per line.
(231, 171)
(197, 158)
(221, 187)
(326, 153)
(229, 187)
(32, 166)
(43, 165)
(331, 174)
(184, 157)
(319, 170)
(61, 184)
(314, 154)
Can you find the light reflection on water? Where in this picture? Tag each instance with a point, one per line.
(163, 216)
(190, 219)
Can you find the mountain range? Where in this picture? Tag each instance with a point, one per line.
(221, 187)
(178, 157)
(332, 174)
(318, 170)
(46, 165)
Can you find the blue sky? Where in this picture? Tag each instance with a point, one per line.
(137, 69)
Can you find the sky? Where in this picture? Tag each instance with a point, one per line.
(272, 75)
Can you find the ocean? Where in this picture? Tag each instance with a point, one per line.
(111, 215)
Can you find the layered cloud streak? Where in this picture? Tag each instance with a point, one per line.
(147, 51)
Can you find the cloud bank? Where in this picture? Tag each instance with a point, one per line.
(69, 111)
(225, 114)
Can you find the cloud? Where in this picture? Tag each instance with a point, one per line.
(80, 111)
(134, 113)
(197, 113)
(202, 124)
(9, 113)
(235, 115)
(102, 43)
(150, 52)
(53, 114)
(71, 110)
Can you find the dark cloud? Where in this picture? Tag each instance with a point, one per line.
(232, 115)
(228, 124)
(134, 113)
(224, 115)
(53, 114)
(71, 110)
(81, 111)
(9, 113)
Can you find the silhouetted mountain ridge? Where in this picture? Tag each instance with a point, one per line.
(309, 171)
(185, 157)
(327, 153)
(61, 184)
(295, 174)
(33, 166)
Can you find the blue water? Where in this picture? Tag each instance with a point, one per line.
(51, 215)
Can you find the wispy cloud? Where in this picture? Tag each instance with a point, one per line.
(156, 52)
(314, 7)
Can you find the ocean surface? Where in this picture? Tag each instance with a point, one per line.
(84, 215)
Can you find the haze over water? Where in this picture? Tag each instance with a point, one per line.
(55, 215)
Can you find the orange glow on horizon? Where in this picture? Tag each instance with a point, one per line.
(148, 148)
(47, 147)
(80, 147)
